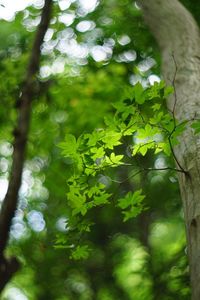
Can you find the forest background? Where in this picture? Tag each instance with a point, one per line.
(93, 57)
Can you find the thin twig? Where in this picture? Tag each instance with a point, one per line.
(149, 170)
(174, 119)
(174, 86)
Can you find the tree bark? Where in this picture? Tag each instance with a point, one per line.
(178, 37)
(9, 266)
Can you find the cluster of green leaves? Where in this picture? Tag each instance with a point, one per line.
(143, 119)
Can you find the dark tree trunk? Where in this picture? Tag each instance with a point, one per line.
(9, 266)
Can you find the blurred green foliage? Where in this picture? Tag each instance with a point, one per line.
(143, 258)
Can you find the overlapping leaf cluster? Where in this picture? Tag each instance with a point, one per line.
(143, 119)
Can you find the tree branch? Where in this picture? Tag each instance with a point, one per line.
(20, 140)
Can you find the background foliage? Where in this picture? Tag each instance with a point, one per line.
(87, 71)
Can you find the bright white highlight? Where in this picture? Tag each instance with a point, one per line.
(8, 8)
(3, 188)
(124, 40)
(6, 149)
(84, 26)
(64, 4)
(153, 78)
(36, 221)
(88, 5)
(67, 19)
(14, 293)
(61, 224)
(101, 53)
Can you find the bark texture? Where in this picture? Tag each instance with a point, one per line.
(178, 37)
(9, 266)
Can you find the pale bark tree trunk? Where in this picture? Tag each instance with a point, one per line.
(178, 37)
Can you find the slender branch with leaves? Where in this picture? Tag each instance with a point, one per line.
(142, 120)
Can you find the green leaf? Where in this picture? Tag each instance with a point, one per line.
(143, 149)
(69, 146)
(131, 127)
(196, 127)
(132, 202)
(77, 199)
(101, 199)
(94, 190)
(156, 106)
(155, 90)
(94, 137)
(166, 149)
(98, 152)
(168, 91)
(131, 199)
(180, 128)
(80, 252)
(112, 139)
(116, 159)
(132, 213)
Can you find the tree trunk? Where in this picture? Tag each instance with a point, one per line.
(178, 37)
(9, 266)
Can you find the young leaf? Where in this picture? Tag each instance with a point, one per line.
(112, 139)
(116, 159)
(80, 252)
(69, 146)
(131, 204)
